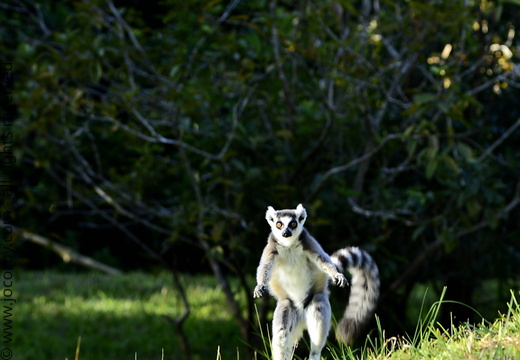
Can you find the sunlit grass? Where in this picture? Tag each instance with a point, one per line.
(118, 317)
(486, 341)
(122, 317)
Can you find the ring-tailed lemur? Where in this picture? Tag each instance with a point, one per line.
(296, 271)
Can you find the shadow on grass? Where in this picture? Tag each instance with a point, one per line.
(117, 317)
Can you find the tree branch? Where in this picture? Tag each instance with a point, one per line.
(435, 246)
(237, 111)
(225, 15)
(66, 253)
(349, 165)
(131, 36)
(178, 323)
(159, 139)
(315, 149)
(278, 61)
(213, 262)
(497, 143)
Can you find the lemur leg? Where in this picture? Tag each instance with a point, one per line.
(318, 318)
(287, 329)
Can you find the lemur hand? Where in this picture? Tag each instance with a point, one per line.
(259, 291)
(340, 280)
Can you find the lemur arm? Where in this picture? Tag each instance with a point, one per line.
(263, 273)
(318, 256)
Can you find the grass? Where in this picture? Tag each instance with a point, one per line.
(497, 340)
(486, 341)
(117, 317)
(95, 316)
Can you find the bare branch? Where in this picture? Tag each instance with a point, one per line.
(488, 84)
(86, 173)
(392, 215)
(435, 246)
(131, 36)
(35, 14)
(227, 12)
(67, 254)
(145, 122)
(497, 143)
(278, 61)
(315, 149)
(177, 323)
(237, 112)
(213, 262)
(159, 139)
(350, 164)
(110, 219)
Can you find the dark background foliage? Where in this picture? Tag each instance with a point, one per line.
(156, 135)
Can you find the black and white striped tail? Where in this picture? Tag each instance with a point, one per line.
(364, 291)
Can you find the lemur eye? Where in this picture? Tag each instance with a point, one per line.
(293, 224)
(279, 225)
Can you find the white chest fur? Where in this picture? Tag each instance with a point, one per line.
(294, 275)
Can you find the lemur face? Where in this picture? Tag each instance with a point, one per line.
(286, 225)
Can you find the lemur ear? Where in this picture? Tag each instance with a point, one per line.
(301, 213)
(269, 214)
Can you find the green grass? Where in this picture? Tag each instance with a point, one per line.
(486, 341)
(123, 318)
(497, 340)
(117, 317)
